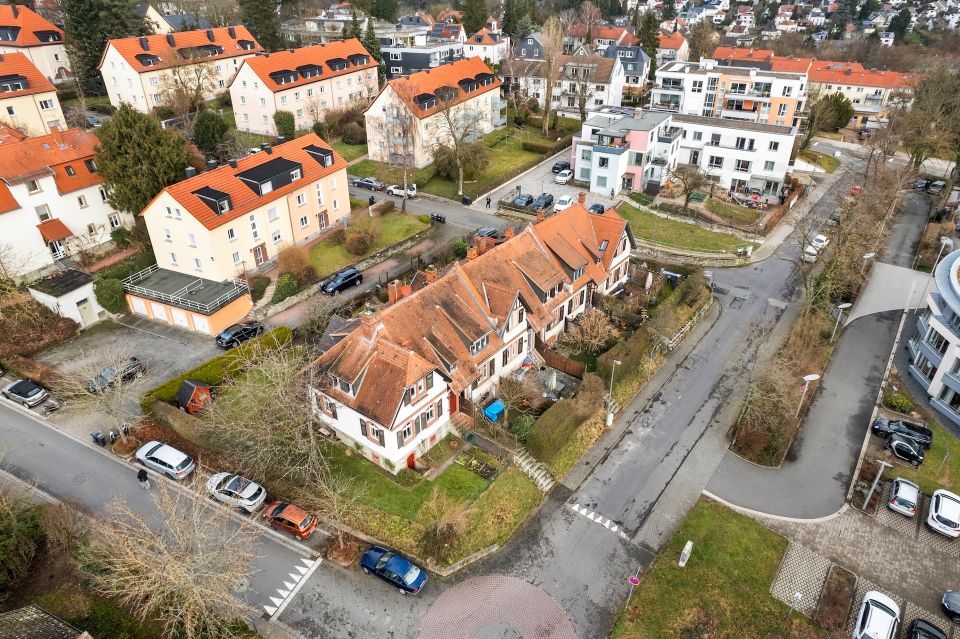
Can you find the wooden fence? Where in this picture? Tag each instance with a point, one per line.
(555, 360)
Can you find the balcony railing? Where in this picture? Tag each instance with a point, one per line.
(177, 298)
(610, 149)
(669, 135)
(668, 87)
(666, 106)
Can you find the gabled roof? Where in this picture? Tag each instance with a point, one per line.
(19, 65)
(673, 40)
(169, 48)
(26, 28)
(600, 31)
(226, 179)
(485, 37)
(427, 83)
(318, 54)
(602, 66)
(44, 156)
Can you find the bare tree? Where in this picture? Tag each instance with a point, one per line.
(14, 261)
(108, 382)
(691, 178)
(459, 126)
(446, 519)
(589, 14)
(184, 86)
(768, 402)
(317, 318)
(663, 326)
(401, 130)
(335, 496)
(178, 566)
(517, 394)
(591, 332)
(551, 66)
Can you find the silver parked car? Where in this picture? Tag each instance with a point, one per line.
(944, 515)
(236, 491)
(904, 497)
(165, 459)
(26, 392)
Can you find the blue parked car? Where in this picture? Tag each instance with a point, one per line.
(394, 569)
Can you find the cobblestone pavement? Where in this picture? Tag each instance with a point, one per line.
(801, 571)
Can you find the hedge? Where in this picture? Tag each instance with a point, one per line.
(287, 286)
(547, 148)
(213, 371)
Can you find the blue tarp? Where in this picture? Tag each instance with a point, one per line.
(494, 410)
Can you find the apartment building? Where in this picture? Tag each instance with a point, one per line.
(406, 53)
(330, 25)
(636, 65)
(142, 71)
(306, 82)
(23, 31)
(589, 80)
(491, 46)
(600, 35)
(634, 150)
(164, 23)
(673, 47)
(53, 206)
(712, 89)
(28, 100)
(935, 345)
(467, 89)
(397, 383)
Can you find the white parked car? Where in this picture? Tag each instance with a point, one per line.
(904, 497)
(563, 176)
(878, 618)
(944, 515)
(237, 491)
(166, 460)
(820, 242)
(809, 254)
(565, 202)
(396, 189)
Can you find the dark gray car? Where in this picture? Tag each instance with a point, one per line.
(951, 605)
(917, 432)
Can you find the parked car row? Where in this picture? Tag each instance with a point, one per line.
(932, 187)
(943, 516)
(906, 440)
(879, 618)
(812, 250)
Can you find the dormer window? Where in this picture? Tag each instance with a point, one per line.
(295, 175)
(578, 274)
(478, 345)
(91, 165)
(603, 245)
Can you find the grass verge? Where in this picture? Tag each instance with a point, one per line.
(647, 226)
(328, 257)
(349, 152)
(724, 589)
(733, 213)
(99, 617)
(826, 162)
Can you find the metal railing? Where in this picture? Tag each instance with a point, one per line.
(176, 298)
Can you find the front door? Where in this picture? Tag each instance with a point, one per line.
(87, 316)
(695, 157)
(412, 461)
(626, 183)
(56, 249)
(260, 254)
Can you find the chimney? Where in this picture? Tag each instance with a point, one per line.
(430, 273)
(509, 232)
(582, 198)
(265, 146)
(210, 35)
(541, 216)
(393, 292)
(281, 139)
(55, 133)
(170, 40)
(145, 43)
(233, 164)
(471, 253)
(15, 9)
(190, 172)
(211, 165)
(232, 32)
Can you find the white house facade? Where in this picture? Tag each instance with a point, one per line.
(23, 31)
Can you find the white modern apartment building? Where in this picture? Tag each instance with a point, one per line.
(28, 101)
(306, 82)
(935, 345)
(142, 71)
(711, 89)
(627, 150)
(23, 31)
(52, 203)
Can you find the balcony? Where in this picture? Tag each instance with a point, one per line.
(739, 114)
(658, 160)
(665, 105)
(943, 407)
(669, 87)
(184, 291)
(668, 136)
(924, 347)
(610, 149)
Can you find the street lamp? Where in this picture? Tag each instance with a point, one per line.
(613, 369)
(866, 256)
(944, 242)
(876, 480)
(806, 384)
(841, 308)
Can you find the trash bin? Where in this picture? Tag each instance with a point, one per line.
(98, 438)
(467, 200)
(371, 200)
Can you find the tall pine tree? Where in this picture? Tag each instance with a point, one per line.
(372, 45)
(474, 15)
(384, 9)
(649, 37)
(354, 30)
(261, 17)
(87, 25)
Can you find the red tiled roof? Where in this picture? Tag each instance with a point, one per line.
(852, 76)
(19, 64)
(159, 45)
(820, 71)
(601, 31)
(29, 23)
(242, 197)
(50, 154)
(673, 40)
(54, 230)
(9, 134)
(446, 75)
(485, 37)
(264, 65)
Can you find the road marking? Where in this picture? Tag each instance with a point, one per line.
(598, 518)
(287, 595)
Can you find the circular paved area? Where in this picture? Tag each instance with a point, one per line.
(496, 606)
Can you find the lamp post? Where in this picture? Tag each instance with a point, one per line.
(876, 480)
(944, 242)
(866, 257)
(806, 384)
(613, 369)
(841, 308)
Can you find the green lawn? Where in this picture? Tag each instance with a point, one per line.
(945, 444)
(652, 228)
(826, 162)
(733, 213)
(90, 99)
(349, 152)
(507, 160)
(724, 590)
(327, 257)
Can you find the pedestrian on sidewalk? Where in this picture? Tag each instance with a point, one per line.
(488, 201)
(143, 479)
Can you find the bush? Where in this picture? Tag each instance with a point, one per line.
(424, 219)
(537, 146)
(258, 286)
(522, 426)
(286, 125)
(475, 156)
(459, 248)
(558, 424)
(213, 371)
(361, 237)
(898, 402)
(66, 94)
(287, 286)
(357, 203)
(129, 266)
(224, 99)
(338, 236)
(294, 260)
(353, 133)
(121, 237)
(102, 109)
(408, 478)
(208, 131)
(109, 294)
(336, 122)
(320, 128)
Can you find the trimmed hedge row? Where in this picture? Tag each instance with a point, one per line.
(547, 148)
(213, 371)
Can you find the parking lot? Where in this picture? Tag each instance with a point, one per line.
(540, 180)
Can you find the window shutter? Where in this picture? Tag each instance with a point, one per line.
(399, 439)
(363, 428)
(429, 380)
(406, 397)
(380, 436)
(421, 420)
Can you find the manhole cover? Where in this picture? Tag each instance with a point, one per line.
(241, 585)
(79, 478)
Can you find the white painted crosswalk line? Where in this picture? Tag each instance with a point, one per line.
(271, 610)
(598, 518)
